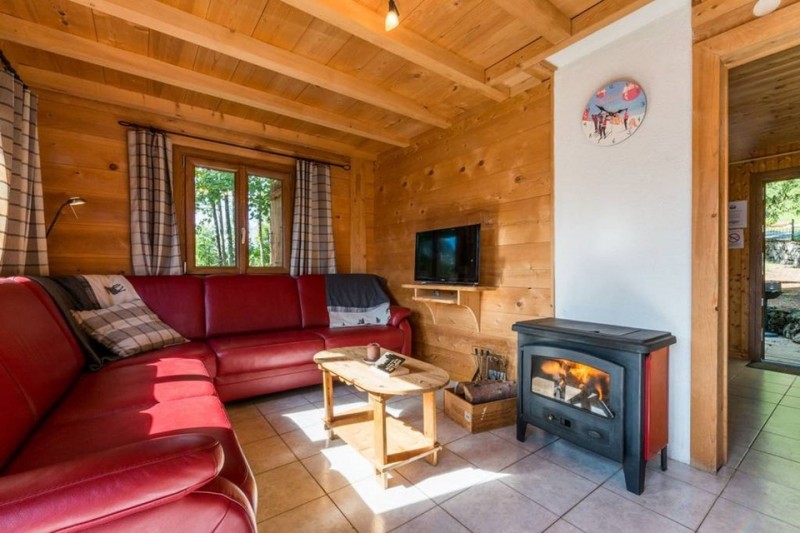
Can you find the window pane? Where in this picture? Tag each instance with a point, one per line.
(214, 217)
(265, 221)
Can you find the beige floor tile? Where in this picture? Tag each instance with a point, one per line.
(295, 418)
(777, 469)
(316, 516)
(280, 402)
(582, 462)
(310, 440)
(252, 429)
(338, 467)
(605, 511)
(474, 449)
(371, 508)
(764, 496)
(548, 484)
(535, 438)
(451, 475)
(494, 506)
(238, 411)
(434, 520)
(729, 516)
(285, 488)
(562, 526)
(710, 482)
(779, 445)
(263, 455)
(668, 497)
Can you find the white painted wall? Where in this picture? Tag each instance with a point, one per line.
(623, 213)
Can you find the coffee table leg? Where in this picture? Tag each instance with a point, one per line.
(429, 423)
(379, 425)
(327, 399)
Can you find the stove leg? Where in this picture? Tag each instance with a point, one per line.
(664, 459)
(522, 426)
(634, 467)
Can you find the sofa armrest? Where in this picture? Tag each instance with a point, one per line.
(397, 314)
(101, 487)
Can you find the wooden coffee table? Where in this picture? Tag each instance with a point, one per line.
(385, 441)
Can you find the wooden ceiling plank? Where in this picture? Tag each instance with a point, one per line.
(541, 16)
(369, 26)
(596, 18)
(61, 43)
(61, 83)
(171, 21)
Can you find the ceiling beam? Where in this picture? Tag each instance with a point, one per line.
(368, 25)
(588, 22)
(541, 16)
(187, 27)
(107, 94)
(62, 43)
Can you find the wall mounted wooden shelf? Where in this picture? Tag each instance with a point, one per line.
(433, 296)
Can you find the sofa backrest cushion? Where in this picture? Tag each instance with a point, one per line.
(39, 359)
(249, 304)
(177, 300)
(313, 300)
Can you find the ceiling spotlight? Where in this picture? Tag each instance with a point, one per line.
(762, 7)
(393, 16)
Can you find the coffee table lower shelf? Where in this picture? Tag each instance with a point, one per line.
(403, 443)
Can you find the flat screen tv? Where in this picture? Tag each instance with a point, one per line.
(448, 255)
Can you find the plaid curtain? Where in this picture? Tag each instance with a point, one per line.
(155, 248)
(23, 247)
(312, 229)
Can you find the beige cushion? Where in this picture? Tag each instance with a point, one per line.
(128, 328)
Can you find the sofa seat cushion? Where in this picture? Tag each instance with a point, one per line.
(55, 442)
(136, 387)
(190, 350)
(265, 351)
(387, 336)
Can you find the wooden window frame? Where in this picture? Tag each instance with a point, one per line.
(185, 160)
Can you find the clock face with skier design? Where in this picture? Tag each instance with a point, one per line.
(614, 113)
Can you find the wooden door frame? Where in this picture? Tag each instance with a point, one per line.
(711, 60)
(755, 341)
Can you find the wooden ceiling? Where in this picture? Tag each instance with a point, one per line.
(764, 100)
(321, 75)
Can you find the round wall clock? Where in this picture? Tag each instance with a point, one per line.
(614, 113)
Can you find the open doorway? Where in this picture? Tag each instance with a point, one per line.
(775, 268)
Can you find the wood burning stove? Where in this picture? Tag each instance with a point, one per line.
(602, 387)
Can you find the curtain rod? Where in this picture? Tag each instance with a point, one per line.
(125, 123)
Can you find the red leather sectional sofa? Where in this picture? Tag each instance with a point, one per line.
(145, 443)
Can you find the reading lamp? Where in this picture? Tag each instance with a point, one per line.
(392, 16)
(72, 201)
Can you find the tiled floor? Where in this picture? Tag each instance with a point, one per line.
(491, 482)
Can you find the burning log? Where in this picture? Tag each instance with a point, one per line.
(489, 391)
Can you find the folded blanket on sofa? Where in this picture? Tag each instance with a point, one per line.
(356, 300)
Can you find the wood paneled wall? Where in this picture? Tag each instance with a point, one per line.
(493, 168)
(84, 153)
(739, 260)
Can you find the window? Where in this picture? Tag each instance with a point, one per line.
(235, 215)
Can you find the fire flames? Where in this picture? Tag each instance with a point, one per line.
(584, 377)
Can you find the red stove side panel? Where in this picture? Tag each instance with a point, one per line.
(656, 402)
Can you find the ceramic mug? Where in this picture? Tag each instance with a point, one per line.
(373, 351)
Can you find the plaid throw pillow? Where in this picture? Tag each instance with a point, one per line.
(128, 328)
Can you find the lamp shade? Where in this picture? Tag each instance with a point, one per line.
(72, 200)
(392, 16)
(765, 7)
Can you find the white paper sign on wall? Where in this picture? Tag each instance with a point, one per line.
(737, 214)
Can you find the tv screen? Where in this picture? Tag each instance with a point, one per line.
(449, 255)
